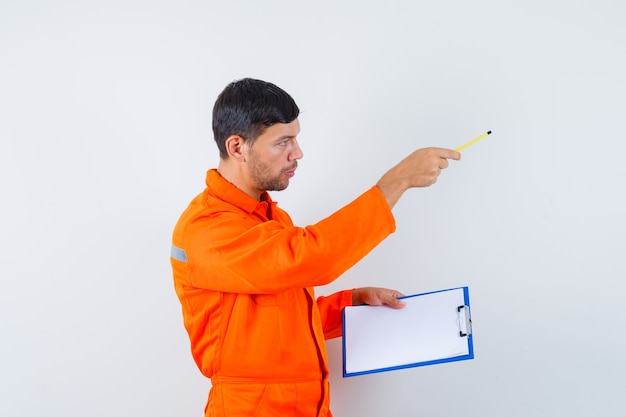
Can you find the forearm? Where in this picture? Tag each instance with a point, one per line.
(391, 187)
(331, 312)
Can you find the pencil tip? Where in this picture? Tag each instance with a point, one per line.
(489, 133)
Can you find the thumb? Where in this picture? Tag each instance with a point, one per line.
(394, 302)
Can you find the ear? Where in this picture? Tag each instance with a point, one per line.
(235, 147)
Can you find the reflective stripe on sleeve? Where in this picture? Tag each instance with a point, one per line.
(178, 254)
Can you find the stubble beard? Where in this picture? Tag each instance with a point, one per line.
(263, 178)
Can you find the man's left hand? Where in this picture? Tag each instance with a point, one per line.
(377, 297)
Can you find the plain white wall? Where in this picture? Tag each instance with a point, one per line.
(105, 128)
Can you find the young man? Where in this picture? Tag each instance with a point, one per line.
(245, 274)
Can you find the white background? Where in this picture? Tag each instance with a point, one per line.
(105, 128)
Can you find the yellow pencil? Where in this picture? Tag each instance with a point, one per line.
(473, 141)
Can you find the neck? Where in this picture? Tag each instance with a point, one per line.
(237, 176)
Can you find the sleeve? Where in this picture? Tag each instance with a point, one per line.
(229, 252)
(331, 310)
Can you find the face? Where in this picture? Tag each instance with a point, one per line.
(273, 157)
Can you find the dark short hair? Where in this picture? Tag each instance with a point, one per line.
(247, 107)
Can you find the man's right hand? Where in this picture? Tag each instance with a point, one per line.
(419, 169)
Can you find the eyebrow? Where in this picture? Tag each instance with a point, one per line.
(283, 137)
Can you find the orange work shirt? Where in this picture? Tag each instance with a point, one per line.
(245, 274)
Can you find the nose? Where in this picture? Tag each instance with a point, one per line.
(296, 152)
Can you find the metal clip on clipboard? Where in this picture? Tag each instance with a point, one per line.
(465, 320)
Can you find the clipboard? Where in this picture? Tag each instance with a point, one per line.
(434, 327)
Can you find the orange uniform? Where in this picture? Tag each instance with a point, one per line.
(244, 275)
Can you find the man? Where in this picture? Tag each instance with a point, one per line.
(245, 274)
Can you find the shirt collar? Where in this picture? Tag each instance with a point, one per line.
(219, 187)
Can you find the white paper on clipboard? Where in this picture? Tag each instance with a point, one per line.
(432, 328)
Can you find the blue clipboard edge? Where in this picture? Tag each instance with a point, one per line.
(470, 342)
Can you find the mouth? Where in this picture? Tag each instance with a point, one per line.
(291, 171)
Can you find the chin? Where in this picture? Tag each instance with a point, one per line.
(281, 186)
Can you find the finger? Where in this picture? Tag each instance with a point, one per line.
(448, 153)
(395, 303)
